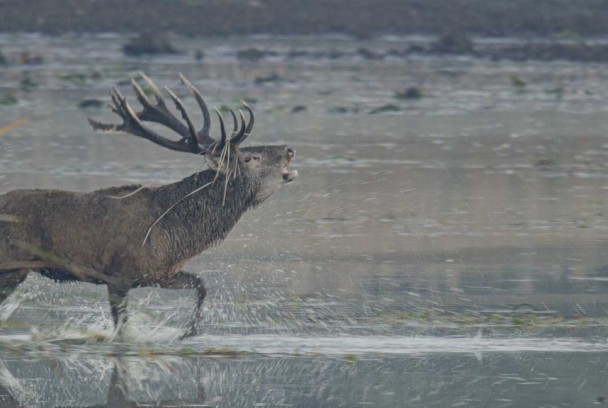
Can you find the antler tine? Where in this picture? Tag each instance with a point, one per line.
(158, 113)
(239, 137)
(140, 94)
(152, 86)
(191, 141)
(251, 117)
(119, 106)
(235, 125)
(203, 134)
(222, 141)
(132, 124)
(248, 127)
(117, 100)
(180, 106)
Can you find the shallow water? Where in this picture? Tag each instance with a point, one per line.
(446, 252)
(430, 380)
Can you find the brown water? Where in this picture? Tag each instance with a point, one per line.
(447, 252)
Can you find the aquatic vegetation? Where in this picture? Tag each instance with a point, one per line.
(8, 100)
(254, 54)
(389, 107)
(343, 109)
(28, 58)
(452, 42)
(369, 55)
(150, 43)
(505, 323)
(557, 91)
(80, 78)
(27, 82)
(518, 83)
(271, 78)
(411, 92)
(298, 109)
(91, 103)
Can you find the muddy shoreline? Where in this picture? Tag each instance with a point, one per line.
(359, 18)
(567, 31)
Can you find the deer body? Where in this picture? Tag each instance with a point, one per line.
(132, 236)
(102, 231)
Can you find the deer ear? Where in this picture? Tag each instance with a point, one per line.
(246, 157)
(217, 164)
(213, 162)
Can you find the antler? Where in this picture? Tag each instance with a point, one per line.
(191, 141)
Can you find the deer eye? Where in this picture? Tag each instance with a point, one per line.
(247, 159)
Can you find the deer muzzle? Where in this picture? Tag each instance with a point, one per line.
(289, 175)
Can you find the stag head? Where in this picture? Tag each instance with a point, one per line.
(267, 165)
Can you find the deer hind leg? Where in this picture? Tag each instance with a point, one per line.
(187, 280)
(9, 280)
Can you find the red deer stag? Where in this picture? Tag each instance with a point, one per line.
(136, 236)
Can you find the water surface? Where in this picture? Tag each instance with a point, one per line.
(440, 251)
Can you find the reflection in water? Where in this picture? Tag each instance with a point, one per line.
(425, 380)
(84, 382)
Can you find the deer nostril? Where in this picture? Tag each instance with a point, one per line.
(291, 153)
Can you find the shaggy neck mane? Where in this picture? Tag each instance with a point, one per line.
(205, 217)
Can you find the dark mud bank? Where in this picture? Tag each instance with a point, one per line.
(361, 18)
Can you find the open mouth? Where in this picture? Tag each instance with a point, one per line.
(289, 175)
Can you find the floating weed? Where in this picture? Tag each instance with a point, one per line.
(8, 100)
(343, 109)
(518, 83)
(251, 54)
(221, 352)
(385, 109)
(471, 320)
(91, 104)
(80, 78)
(558, 92)
(409, 93)
(74, 78)
(525, 320)
(13, 218)
(27, 83)
(350, 359)
(298, 109)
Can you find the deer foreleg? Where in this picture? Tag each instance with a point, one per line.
(187, 280)
(118, 305)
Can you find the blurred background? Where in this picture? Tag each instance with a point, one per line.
(444, 243)
(357, 18)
